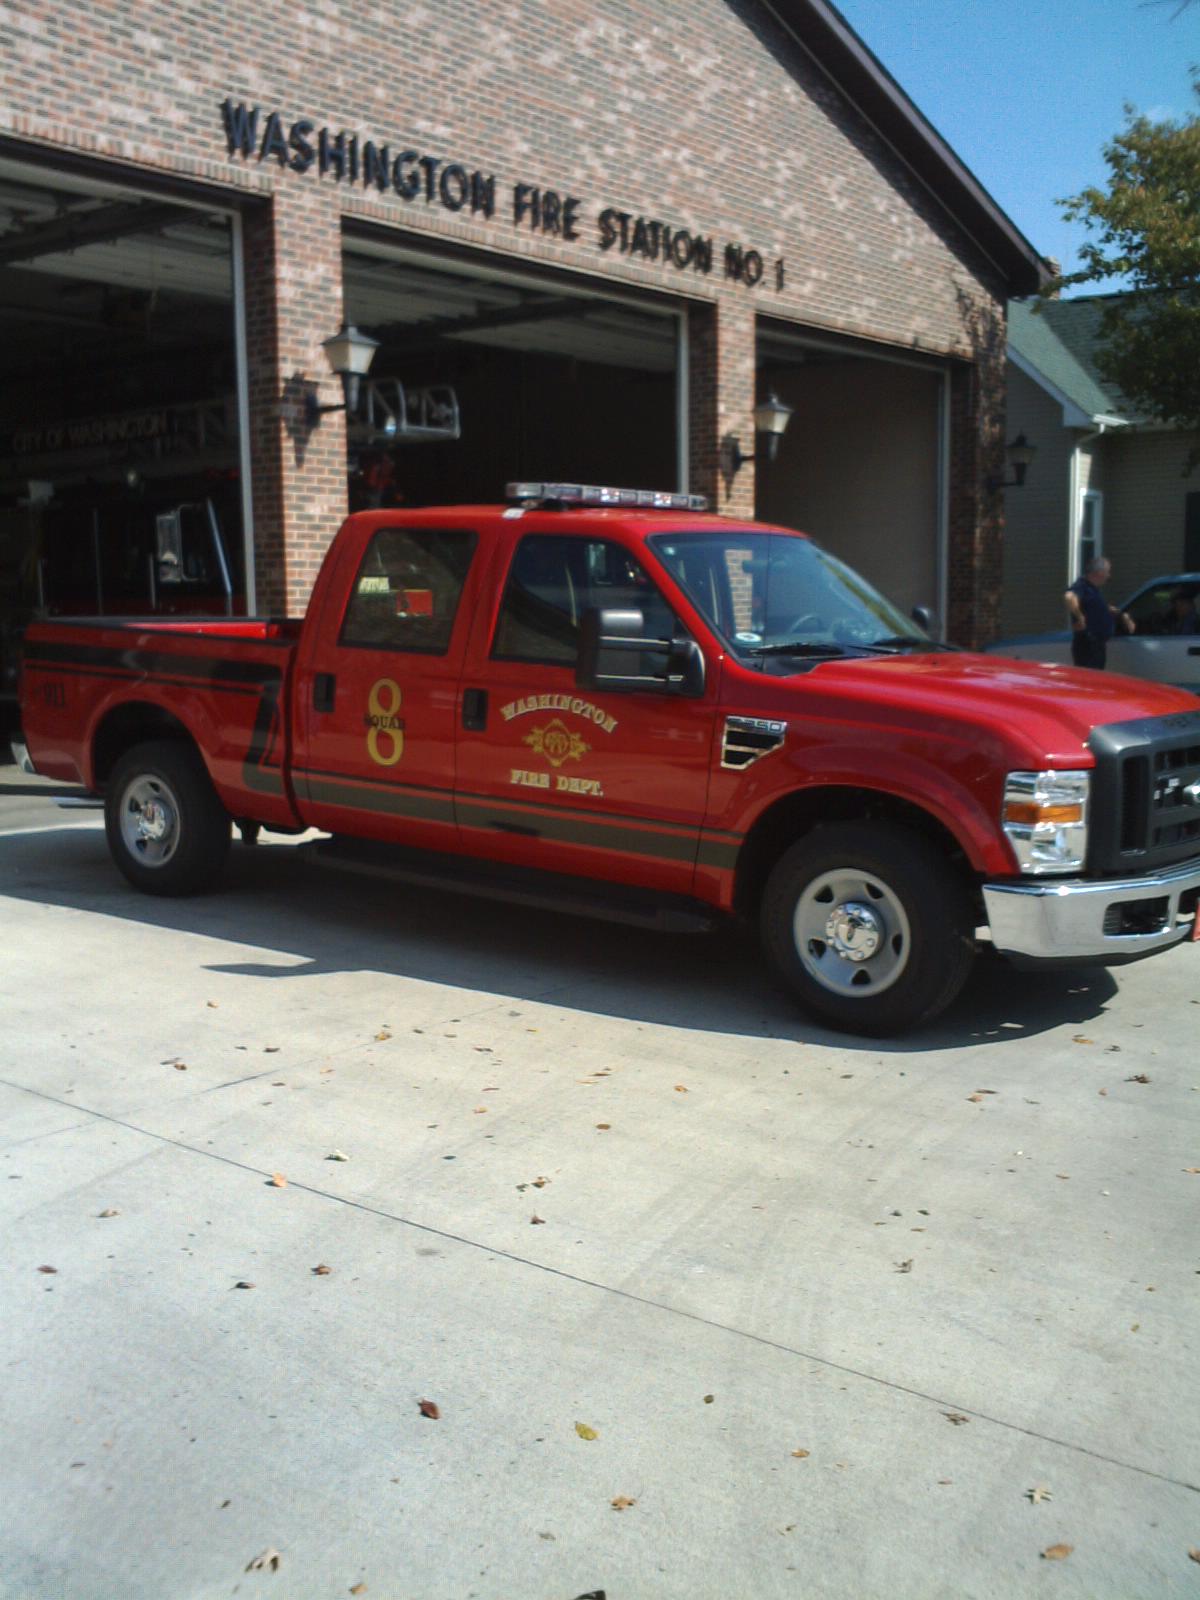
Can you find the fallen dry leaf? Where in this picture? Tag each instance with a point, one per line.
(681, 1088)
(268, 1559)
(801, 1455)
(428, 1408)
(1038, 1493)
(322, 1271)
(537, 1221)
(480, 1111)
(358, 1588)
(270, 1049)
(1194, 1555)
(1138, 1077)
(1078, 1038)
(242, 1284)
(904, 1266)
(1102, 1091)
(605, 1126)
(1191, 1169)
(708, 1399)
(975, 1097)
(277, 1181)
(622, 1503)
(180, 1066)
(1065, 1175)
(956, 1417)
(47, 1269)
(211, 1004)
(1057, 1552)
(540, 1183)
(382, 1035)
(337, 1155)
(110, 1212)
(584, 1432)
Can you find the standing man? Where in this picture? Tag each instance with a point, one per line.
(1093, 620)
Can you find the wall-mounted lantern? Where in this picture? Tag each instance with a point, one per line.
(349, 354)
(1019, 454)
(771, 418)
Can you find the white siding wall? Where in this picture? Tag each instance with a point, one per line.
(1144, 505)
(1037, 516)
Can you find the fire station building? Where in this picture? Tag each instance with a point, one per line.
(588, 240)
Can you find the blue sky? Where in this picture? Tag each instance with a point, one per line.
(1027, 92)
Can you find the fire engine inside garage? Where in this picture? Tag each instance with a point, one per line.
(120, 465)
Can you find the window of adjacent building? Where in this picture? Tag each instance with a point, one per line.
(554, 580)
(1091, 530)
(407, 591)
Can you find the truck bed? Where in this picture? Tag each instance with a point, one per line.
(222, 681)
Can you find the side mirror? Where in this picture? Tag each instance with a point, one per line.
(613, 649)
(927, 618)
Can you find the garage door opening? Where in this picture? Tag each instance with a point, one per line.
(485, 375)
(862, 466)
(120, 464)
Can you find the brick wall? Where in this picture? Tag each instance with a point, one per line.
(704, 117)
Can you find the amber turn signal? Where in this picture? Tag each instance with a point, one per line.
(1026, 813)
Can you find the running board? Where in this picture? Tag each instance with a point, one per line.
(544, 891)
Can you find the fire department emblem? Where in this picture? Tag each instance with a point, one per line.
(557, 743)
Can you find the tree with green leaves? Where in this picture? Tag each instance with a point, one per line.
(1146, 229)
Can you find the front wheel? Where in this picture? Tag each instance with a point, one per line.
(167, 830)
(868, 926)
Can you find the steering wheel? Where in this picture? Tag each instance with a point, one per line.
(810, 622)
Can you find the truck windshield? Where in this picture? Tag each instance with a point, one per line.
(780, 594)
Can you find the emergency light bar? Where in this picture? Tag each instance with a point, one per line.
(589, 494)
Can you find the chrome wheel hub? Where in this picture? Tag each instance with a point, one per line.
(852, 932)
(149, 821)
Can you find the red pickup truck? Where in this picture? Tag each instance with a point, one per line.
(640, 710)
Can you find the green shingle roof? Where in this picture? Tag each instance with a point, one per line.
(1059, 338)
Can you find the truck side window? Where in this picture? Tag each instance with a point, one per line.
(407, 590)
(554, 580)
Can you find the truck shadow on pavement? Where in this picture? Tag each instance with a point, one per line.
(333, 923)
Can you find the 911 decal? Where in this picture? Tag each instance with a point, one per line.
(385, 729)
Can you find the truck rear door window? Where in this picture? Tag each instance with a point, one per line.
(554, 580)
(407, 590)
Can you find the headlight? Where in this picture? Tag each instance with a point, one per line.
(1045, 818)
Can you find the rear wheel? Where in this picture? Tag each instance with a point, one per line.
(167, 830)
(868, 926)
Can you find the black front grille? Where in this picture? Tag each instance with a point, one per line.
(1145, 811)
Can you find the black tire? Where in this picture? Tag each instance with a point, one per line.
(167, 831)
(899, 958)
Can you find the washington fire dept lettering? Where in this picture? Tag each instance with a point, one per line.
(557, 743)
(559, 702)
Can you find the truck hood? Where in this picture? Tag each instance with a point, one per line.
(1049, 710)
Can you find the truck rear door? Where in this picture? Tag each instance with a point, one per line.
(599, 784)
(377, 691)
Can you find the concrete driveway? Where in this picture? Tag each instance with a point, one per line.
(710, 1303)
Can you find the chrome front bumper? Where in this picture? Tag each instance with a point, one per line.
(1116, 919)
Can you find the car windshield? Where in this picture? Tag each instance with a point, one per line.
(779, 594)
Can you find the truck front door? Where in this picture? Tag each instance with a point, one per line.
(600, 784)
(376, 698)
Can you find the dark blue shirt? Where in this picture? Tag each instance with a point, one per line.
(1097, 618)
